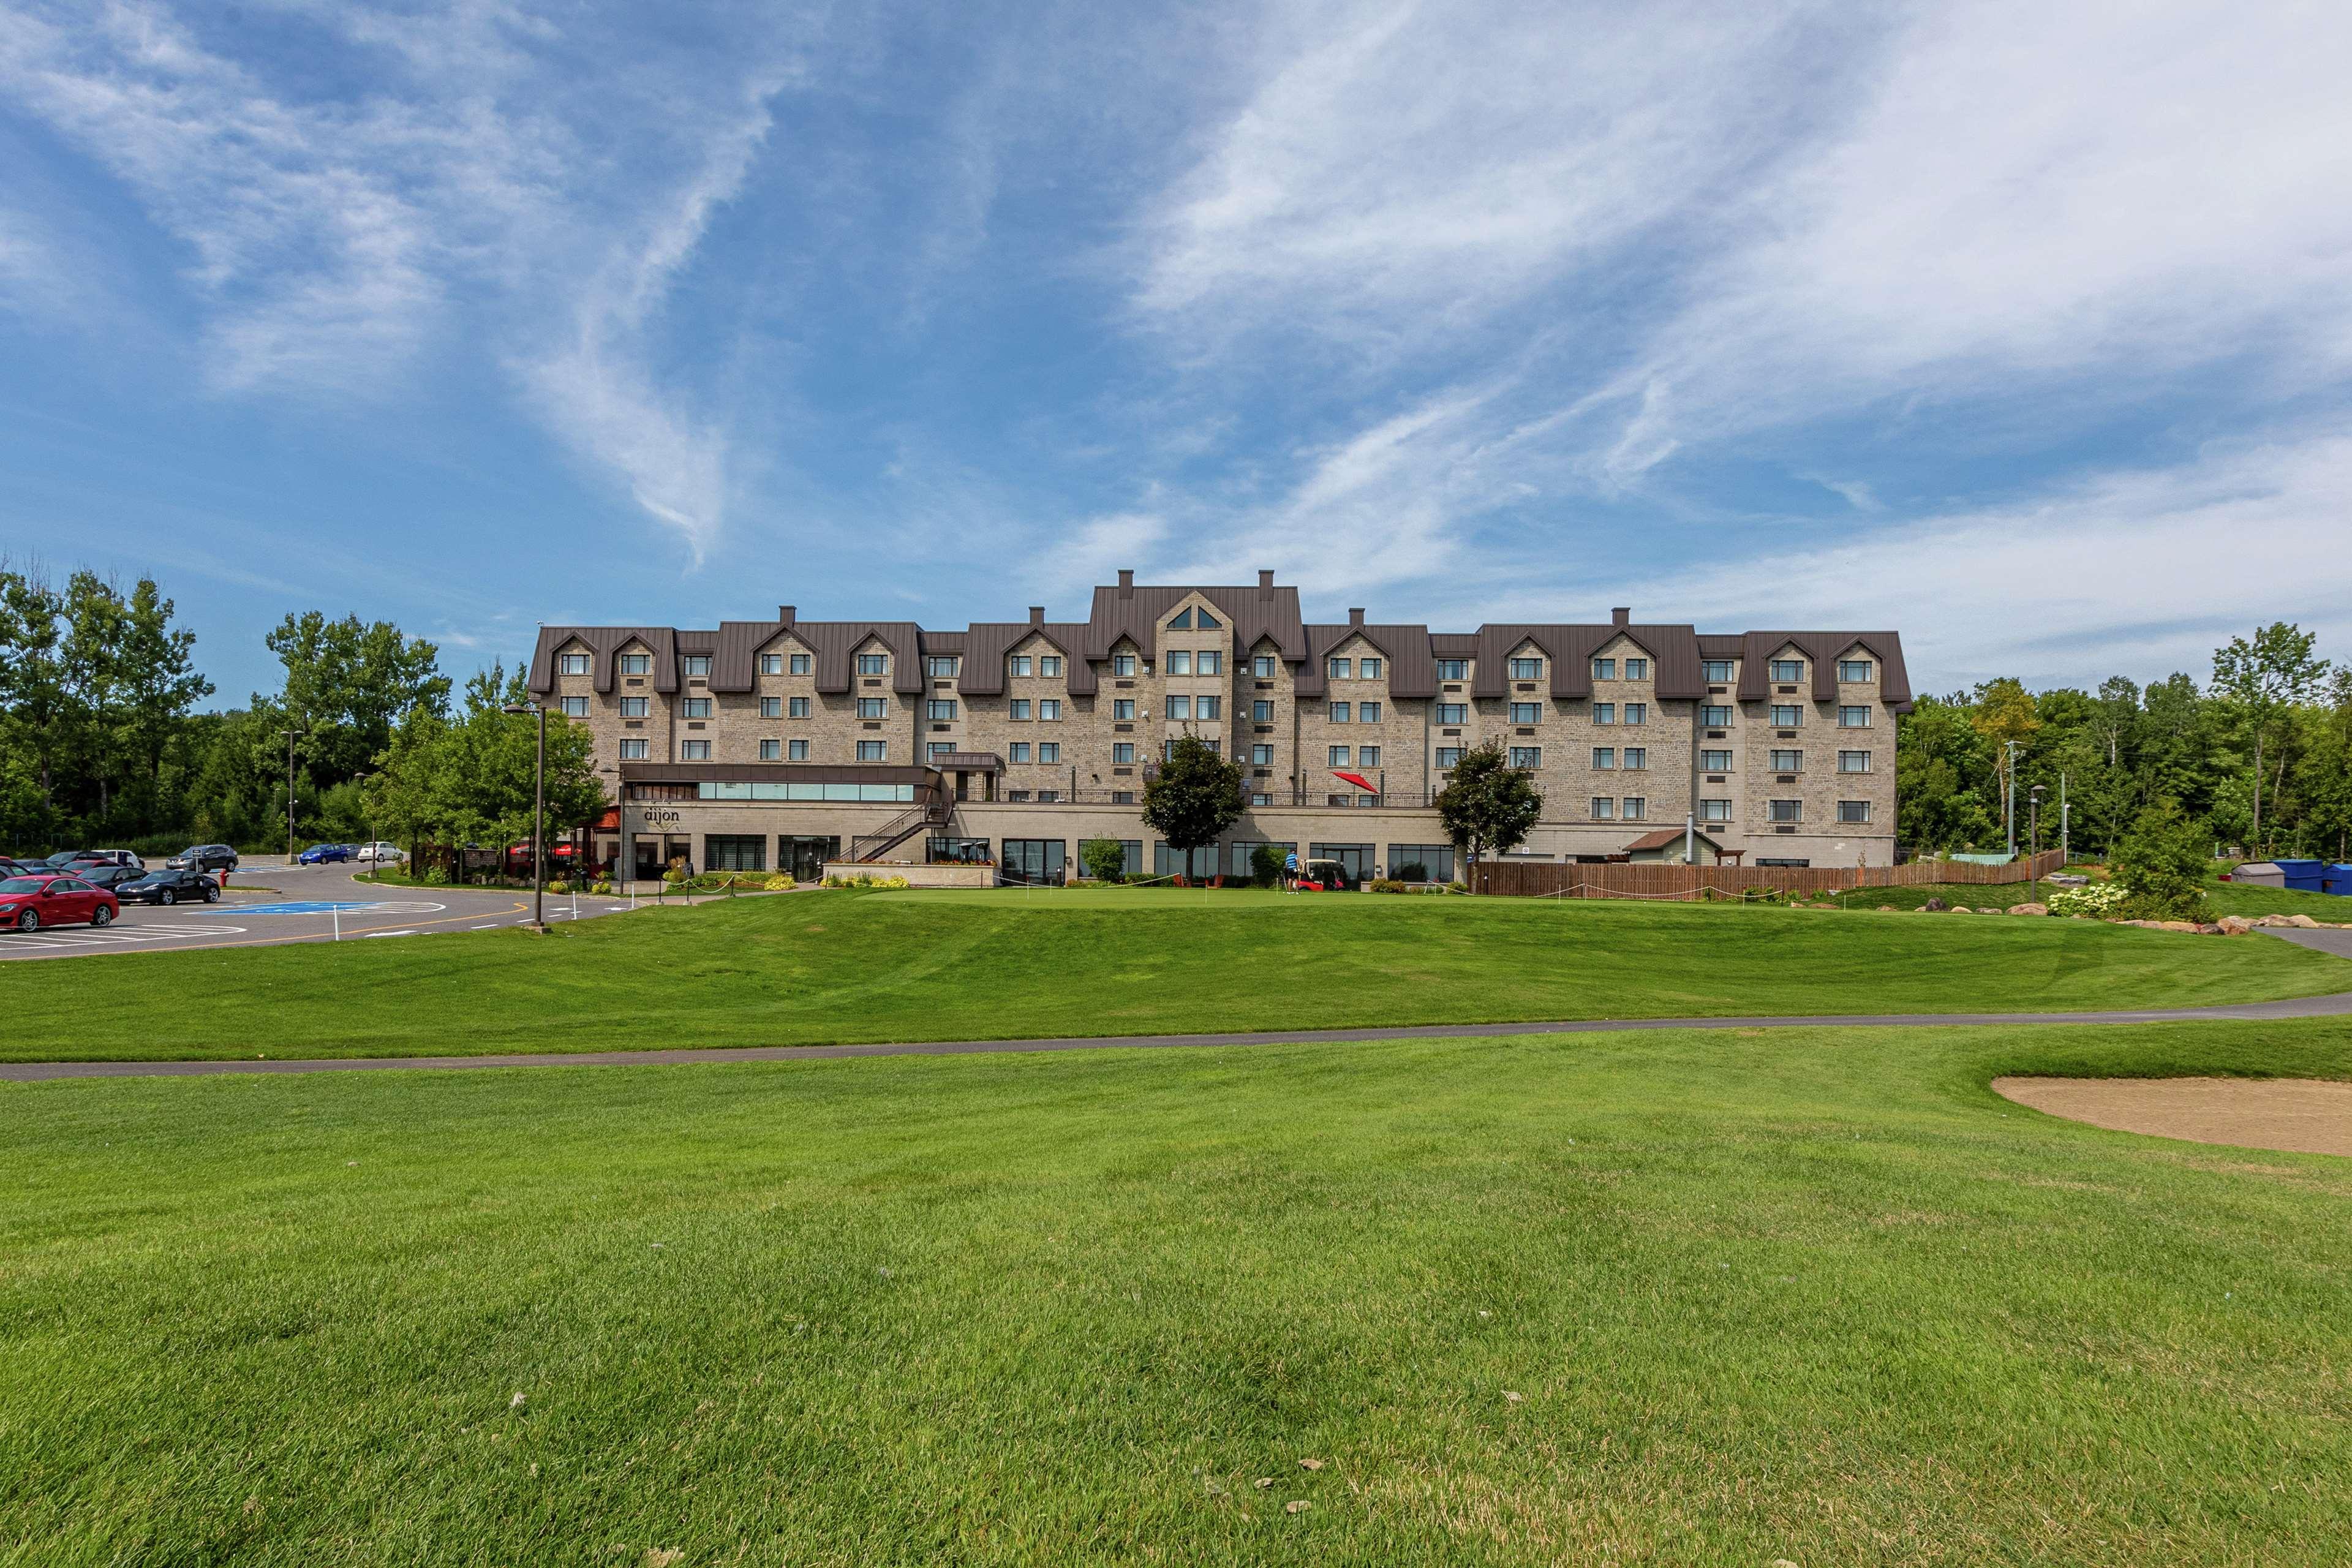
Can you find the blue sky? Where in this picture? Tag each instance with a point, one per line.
(2024, 329)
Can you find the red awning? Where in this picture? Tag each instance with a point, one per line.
(608, 823)
(1358, 779)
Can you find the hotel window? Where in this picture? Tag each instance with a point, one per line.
(576, 707)
(1454, 712)
(1715, 762)
(1853, 811)
(1786, 810)
(873, 750)
(1786, 715)
(801, 664)
(1262, 756)
(636, 664)
(695, 706)
(1179, 661)
(635, 706)
(1049, 751)
(798, 708)
(1049, 709)
(1183, 621)
(771, 707)
(1255, 800)
(1123, 709)
(1853, 762)
(1207, 622)
(1715, 716)
(943, 709)
(1635, 808)
(1853, 718)
(1211, 662)
(1527, 712)
(1604, 808)
(1368, 756)
(771, 664)
(634, 750)
(1337, 757)
(873, 664)
(1453, 669)
(873, 708)
(1637, 758)
(1527, 670)
(1368, 712)
(694, 751)
(1449, 756)
(697, 665)
(1122, 752)
(1527, 756)
(573, 664)
(1263, 666)
(1604, 669)
(1637, 669)
(1180, 708)
(1022, 664)
(772, 751)
(1637, 712)
(1208, 707)
(943, 666)
(1714, 811)
(1337, 668)
(1604, 757)
(1788, 669)
(1340, 712)
(1788, 761)
(1368, 669)
(1715, 669)
(1854, 669)
(1170, 749)
(1020, 708)
(796, 751)
(1604, 712)
(1262, 711)
(1122, 664)
(940, 748)
(1049, 794)
(1049, 664)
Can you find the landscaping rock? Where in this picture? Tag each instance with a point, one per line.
(2029, 908)
(1962, 910)
(2301, 922)
(2191, 927)
(1935, 906)
(2236, 925)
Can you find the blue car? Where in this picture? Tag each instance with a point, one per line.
(321, 854)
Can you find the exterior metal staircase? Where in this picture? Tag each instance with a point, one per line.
(931, 812)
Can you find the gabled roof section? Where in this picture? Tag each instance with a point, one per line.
(734, 658)
(835, 645)
(989, 643)
(1673, 651)
(603, 643)
(1138, 610)
(1822, 651)
(1411, 671)
(1663, 836)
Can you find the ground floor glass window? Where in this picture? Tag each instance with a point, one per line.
(734, 852)
(1421, 862)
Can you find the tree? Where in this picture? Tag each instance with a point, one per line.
(160, 680)
(2160, 863)
(1488, 806)
(483, 775)
(349, 686)
(2263, 679)
(1105, 860)
(2004, 713)
(34, 691)
(1939, 752)
(406, 794)
(1195, 796)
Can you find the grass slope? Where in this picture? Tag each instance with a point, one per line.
(834, 966)
(1671, 1297)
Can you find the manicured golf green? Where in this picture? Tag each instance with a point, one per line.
(810, 967)
(1672, 1298)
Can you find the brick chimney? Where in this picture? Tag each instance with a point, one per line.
(1126, 583)
(787, 613)
(1621, 617)
(1356, 617)
(1265, 577)
(1037, 615)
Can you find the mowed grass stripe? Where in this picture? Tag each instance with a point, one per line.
(810, 968)
(1811, 1294)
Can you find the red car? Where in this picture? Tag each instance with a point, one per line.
(28, 903)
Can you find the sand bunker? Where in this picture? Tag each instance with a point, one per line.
(2311, 1115)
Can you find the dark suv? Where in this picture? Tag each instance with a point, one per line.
(204, 858)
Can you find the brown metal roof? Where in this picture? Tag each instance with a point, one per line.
(1412, 672)
(603, 643)
(989, 643)
(1673, 649)
(1665, 837)
(1138, 612)
(775, 773)
(1822, 651)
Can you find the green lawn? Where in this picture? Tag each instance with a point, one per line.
(840, 966)
(1673, 1298)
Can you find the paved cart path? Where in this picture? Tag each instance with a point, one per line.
(2332, 1006)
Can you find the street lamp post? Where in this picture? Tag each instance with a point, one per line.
(2009, 796)
(2033, 818)
(365, 816)
(289, 735)
(538, 816)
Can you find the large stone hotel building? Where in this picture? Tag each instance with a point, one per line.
(781, 744)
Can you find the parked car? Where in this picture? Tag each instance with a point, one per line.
(110, 858)
(204, 858)
(103, 875)
(379, 850)
(186, 885)
(324, 854)
(28, 903)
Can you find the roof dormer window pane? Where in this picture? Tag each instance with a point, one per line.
(1183, 621)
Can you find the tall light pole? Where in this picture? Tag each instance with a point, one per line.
(538, 816)
(289, 735)
(2008, 797)
(2034, 806)
(365, 818)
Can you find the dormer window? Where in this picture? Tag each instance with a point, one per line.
(573, 664)
(1183, 621)
(1122, 664)
(1788, 669)
(873, 664)
(697, 665)
(1207, 622)
(1049, 664)
(1263, 666)
(1637, 669)
(1527, 670)
(1021, 664)
(771, 664)
(636, 664)
(1853, 670)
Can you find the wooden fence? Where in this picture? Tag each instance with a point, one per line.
(1553, 879)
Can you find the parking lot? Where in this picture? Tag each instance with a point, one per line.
(304, 903)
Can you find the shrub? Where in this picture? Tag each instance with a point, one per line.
(780, 882)
(1265, 865)
(601, 886)
(1387, 885)
(2098, 900)
(1105, 860)
(559, 886)
(436, 877)
(2160, 863)
(674, 876)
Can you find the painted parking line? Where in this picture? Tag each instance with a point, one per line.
(110, 936)
(337, 905)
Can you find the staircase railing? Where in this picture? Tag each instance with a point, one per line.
(932, 812)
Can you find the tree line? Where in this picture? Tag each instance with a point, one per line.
(102, 742)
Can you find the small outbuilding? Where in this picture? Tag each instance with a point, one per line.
(2259, 874)
(1664, 848)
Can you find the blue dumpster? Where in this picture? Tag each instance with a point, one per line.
(2302, 876)
(2336, 880)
